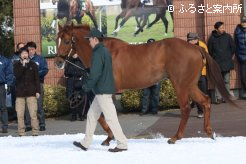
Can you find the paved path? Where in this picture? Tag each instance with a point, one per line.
(226, 121)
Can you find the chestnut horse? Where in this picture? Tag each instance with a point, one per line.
(140, 66)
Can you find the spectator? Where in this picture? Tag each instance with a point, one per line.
(15, 58)
(152, 95)
(240, 40)
(193, 38)
(6, 77)
(27, 91)
(222, 48)
(42, 71)
(73, 73)
(101, 81)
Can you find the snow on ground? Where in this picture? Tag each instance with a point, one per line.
(58, 149)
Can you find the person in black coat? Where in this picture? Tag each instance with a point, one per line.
(240, 40)
(74, 74)
(222, 48)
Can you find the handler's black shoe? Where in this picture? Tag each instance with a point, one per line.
(115, 150)
(77, 144)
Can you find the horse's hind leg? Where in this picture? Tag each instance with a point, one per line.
(106, 128)
(93, 19)
(202, 99)
(165, 22)
(185, 108)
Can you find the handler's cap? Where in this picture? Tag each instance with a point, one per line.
(243, 19)
(94, 33)
(192, 36)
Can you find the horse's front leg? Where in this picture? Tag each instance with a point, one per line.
(123, 21)
(145, 18)
(185, 112)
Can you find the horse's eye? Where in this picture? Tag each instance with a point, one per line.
(67, 42)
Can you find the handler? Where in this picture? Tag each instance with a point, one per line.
(101, 81)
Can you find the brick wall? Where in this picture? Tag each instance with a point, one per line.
(27, 21)
(202, 23)
(27, 28)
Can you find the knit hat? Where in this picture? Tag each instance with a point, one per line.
(192, 36)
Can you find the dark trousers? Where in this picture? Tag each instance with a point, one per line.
(3, 108)
(151, 97)
(202, 85)
(243, 74)
(40, 114)
(12, 111)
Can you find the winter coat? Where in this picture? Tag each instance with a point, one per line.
(42, 66)
(203, 45)
(240, 41)
(101, 79)
(27, 79)
(73, 74)
(6, 71)
(221, 48)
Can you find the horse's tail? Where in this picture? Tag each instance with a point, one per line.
(215, 77)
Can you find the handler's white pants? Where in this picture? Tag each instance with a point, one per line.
(103, 103)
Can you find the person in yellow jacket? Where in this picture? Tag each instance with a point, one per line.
(193, 38)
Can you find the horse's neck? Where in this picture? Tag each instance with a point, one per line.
(83, 49)
(114, 43)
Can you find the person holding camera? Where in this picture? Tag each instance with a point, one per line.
(6, 78)
(27, 91)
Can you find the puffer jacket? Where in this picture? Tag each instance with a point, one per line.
(240, 41)
(222, 47)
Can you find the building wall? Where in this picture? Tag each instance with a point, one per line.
(202, 23)
(27, 28)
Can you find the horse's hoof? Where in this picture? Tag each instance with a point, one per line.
(107, 141)
(213, 136)
(171, 141)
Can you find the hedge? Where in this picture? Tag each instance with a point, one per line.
(55, 102)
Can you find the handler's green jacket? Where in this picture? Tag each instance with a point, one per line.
(101, 79)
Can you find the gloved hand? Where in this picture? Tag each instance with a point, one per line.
(9, 89)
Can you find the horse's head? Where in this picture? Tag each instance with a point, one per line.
(65, 45)
(70, 40)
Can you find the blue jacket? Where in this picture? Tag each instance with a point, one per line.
(42, 66)
(6, 71)
(240, 40)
